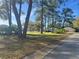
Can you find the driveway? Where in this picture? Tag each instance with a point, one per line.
(68, 50)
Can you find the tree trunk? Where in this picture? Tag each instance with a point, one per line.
(17, 18)
(52, 24)
(10, 22)
(42, 18)
(8, 9)
(20, 9)
(45, 24)
(63, 22)
(48, 23)
(27, 19)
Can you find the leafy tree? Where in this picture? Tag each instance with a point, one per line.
(31, 26)
(5, 12)
(76, 23)
(46, 8)
(67, 15)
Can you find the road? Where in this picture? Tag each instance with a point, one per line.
(68, 50)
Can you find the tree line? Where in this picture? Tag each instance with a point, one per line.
(47, 14)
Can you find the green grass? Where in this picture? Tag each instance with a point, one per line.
(44, 33)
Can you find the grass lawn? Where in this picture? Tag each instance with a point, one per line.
(45, 33)
(12, 48)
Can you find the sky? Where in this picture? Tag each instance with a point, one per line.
(73, 4)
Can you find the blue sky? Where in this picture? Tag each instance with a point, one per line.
(73, 4)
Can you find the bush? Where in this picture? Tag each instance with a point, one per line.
(14, 29)
(60, 31)
(4, 29)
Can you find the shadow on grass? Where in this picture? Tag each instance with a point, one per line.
(52, 39)
(15, 49)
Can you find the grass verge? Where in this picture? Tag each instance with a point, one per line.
(12, 48)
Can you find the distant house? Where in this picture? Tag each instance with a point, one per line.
(69, 29)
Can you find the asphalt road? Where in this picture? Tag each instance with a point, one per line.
(68, 50)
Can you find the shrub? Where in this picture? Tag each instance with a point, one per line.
(4, 29)
(60, 31)
(14, 28)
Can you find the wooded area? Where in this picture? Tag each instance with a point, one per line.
(48, 25)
